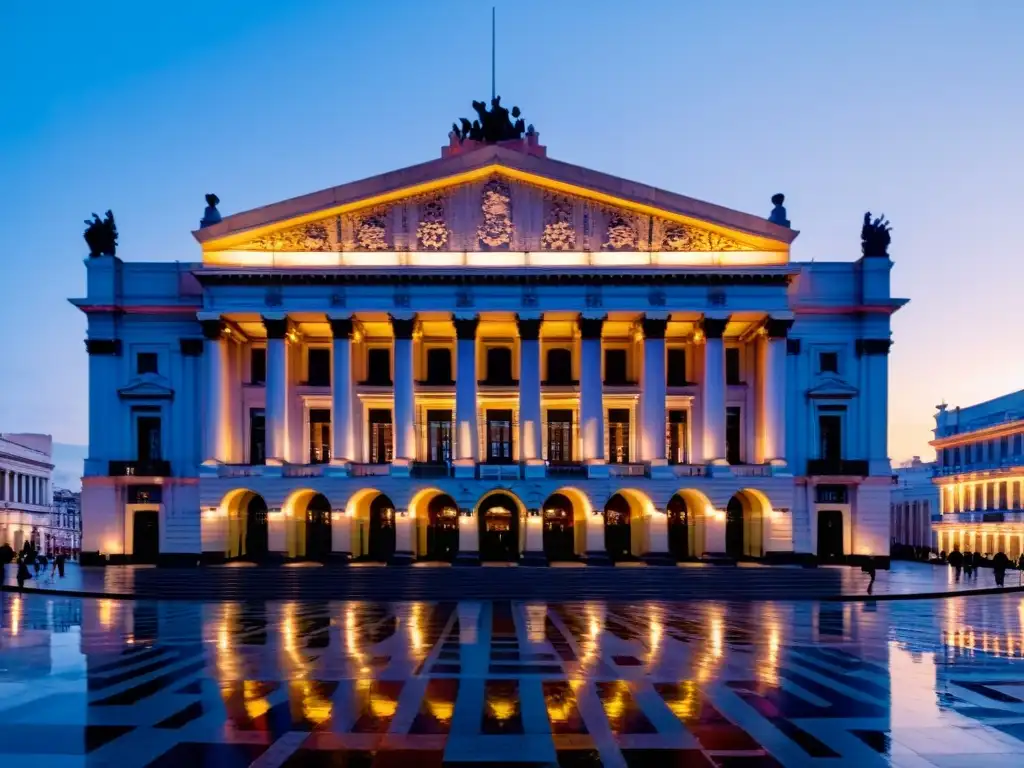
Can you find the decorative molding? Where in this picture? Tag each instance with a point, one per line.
(469, 277)
(622, 232)
(529, 329)
(103, 346)
(402, 298)
(311, 236)
(792, 346)
(656, 297)
(403, 328)
(463, 298)
(191, 347)
(146, 388)
(530, 297)
(432, 230)
(714, 327)
(776, 328)
(465, 327)
(832, 388)
(496, 230)
(591, 327)
(593, 297)
(277, 328)
(558, 234)
(873, 347)
(372, 232)
(213, 329)
(717, 298)
(654, 327)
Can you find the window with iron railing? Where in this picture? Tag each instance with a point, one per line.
(677, 438)
(381, 436)
(319, 435)
(439, 436)
(560, 437)
(618, 436)
(499, 436)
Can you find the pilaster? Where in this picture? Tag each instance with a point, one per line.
(592, 395)
(466, 434)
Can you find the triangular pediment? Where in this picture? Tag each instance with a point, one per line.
(493, 198)
(833, 388)
(147, 387)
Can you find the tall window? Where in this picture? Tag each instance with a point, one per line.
(439, 366)
(499, 437)
(146, 362)
(1015, 490)
(1002, 496)
(148, 438)
(676, 439)
(378, 367)
(732, 366)
(381, 445)
(1017, 444)
(1004, 447)
(830, 435)
(258, 365)
(676, 367)
(615, 367)
(559, 367)
(318, 360)
(439, 436)
(319, 435)
(257, 436)
(499, 365)
(733, 434)
(560, 436)
(618, 436)
(979, 498)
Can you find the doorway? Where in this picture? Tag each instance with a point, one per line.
(559, 536)
(318, 528)
(734, 528)
(617, 529)
(257, 537)
(830, 535)
(382, 529)
(499, 529)
(145, 536)
(678, 528)
(442, 528)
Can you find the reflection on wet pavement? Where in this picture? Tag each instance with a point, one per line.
(136, 683)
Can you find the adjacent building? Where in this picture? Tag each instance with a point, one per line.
(65, 532)
(915, 498)
(26, 465)
(980, 468)
(489, 356)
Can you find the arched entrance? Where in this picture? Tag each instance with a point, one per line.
(256, 537)
(145, 536)
(499, 528)
(830, 535)
(734, 528)
(442, 528)
(318, 528)
(617, 528)
(382, 528)
(559, 536)
(744, 525)
(678, 528)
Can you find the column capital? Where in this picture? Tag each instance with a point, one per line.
(341, 327)
(213, 329)
(529, 328)
(103, 347)
(590, 327)
(873, 347)
(654, 327)
(403, 327)
(778, 328)
(277, 327)
(465, 327)
(191, 347)
(714, 327)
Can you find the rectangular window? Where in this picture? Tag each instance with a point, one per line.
(956, 456)
(146, 362)
(618, 436)
(439, 366)
(677, 438)
(733, 434)
(732, 366)
(956, 500)
(1004, 447)
(945, 457)
(676, 367)
(258, 365)
(378, 368)
(318, 361)
(1002, 496)
(991, 451)
(560, 367)
(828, 362)
(1015, 486)
(979, 497)
(1017, 445)
(830, 436)
(560, 436)
(499, 437)
(499, 366)
(319, 435)
(833, 494)
(381, 445)
(439, 435)
(615, 371)
(257, 436)
(148, 438)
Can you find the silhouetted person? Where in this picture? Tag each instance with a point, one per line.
(956, 560)
(968, 565)
(23, 572)
(869, 569)
(1000, 563)
(58, 564)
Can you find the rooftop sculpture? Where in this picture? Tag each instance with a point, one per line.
(493, 125)
(874, 235)
(211, 215)
(101, 235)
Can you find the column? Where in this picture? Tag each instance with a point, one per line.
(276, 409)
(405, 394)
(712, 390)
(530, 426)
(215, 362)
(652, 394)
(874, 356)
(342, 444)
(591, 390)
(775, 391)
(467, 443)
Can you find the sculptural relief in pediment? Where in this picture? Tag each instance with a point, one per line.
(496, 213)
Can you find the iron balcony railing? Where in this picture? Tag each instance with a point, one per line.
(838, 467)
(150, 468)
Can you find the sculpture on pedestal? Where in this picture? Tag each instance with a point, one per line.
(211, 215)
(875, 236)
(778, 214)
(101, 235)
(492, 126)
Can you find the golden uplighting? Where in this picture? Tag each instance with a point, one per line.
(15, 615)
(315, 708)
(382, 706)
(501, 708)
(684, 705)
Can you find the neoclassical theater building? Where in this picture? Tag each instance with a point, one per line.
(491, 356)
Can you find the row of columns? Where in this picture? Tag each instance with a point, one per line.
(19, 488)
(652, 398)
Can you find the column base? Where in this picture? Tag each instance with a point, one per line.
(659, 469)
(464, 469)
(400, 467)
(596, 469)
(534, 469)
(598, 558)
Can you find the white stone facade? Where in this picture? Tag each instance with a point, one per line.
(26, 466)
(413, 365)
(915, 498)
(66, 523)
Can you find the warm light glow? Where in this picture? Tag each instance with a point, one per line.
(106, 613)
(15, 615)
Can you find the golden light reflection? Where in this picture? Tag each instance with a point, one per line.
(441, 709)
(255, 702)
(656, 633)
(15, 616)
(315, 708)
(684, 705)
(501, 708)
(226, 661)
(289, 640)
(382, 706)
(106, 613)
(416, 618)
(707, 662)
(536, 619)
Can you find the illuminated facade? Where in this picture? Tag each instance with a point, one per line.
(490, 356)
(26, 465)
(979, 471)
(914, 500)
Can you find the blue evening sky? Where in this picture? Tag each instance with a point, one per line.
(908, 107)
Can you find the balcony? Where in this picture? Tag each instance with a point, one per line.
(424, 469)
(689, 470)
(369, 470)
(498, 472)
(837, 467)
(568, 469)
(303, 470)
(626, 470)
(751, 470)
(240, 470)
(150, 468)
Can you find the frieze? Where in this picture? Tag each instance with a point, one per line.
(621, 234)
(372, 232)
(496, 204)
(559, 234)
(432, 231)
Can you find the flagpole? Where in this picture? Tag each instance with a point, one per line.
(493, 58)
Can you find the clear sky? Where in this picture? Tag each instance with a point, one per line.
(913, 108)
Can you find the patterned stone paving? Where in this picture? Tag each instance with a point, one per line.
(702, 683)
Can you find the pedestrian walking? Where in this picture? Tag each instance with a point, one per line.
(23, 572)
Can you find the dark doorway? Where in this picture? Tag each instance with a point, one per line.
(734, 528)
(257, 541)
(499, 529)
(830, 535)
(678, 528)
(381, 443)
(145, 536)
(382, 528)
(733, 434)
(617, 529)
(559, 541)
(442, 528)
(318, 528)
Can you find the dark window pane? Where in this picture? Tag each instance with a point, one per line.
(733, 434)
(257, 436)
(618, 436)
(378, 367)
(559, 366)
(676, 367)
(828, 362)
(439, 436)
(499, 436)
(439, 366)
(677, 438)
(319, 359)
(380, 435)
(319, 435)
(559, 429)
(499, 365)
(732, 366)
(831, 436)
(146, 362)
(258, 365)
(148, 438)
(615, 372)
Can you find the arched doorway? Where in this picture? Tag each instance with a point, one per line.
(145, 536)
(559, 536)
(442, 528)
(830, 535)
(499, 528)
(382, 528)
(678, 528)
(734, 528)
(744, 524)
(617, 528)
(318, 528)
(256, 537)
